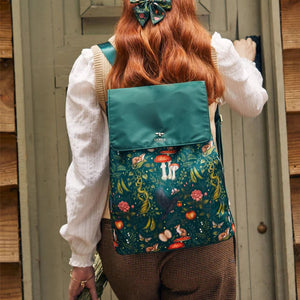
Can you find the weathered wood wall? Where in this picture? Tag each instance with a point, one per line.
(290, 27)
(10, 266)
(50, 35)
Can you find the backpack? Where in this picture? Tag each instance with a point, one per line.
(167, 188)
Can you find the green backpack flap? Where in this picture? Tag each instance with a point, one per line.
(167, 188)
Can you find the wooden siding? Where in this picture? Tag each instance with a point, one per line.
(295, 193)
(52, 36)
(293, 126)
(291, 69)
(290, 24)
(7, 112)
(290, 28)
(9, 227)
(10, 281)
(10, 266)
(8, 159)
(5, 29)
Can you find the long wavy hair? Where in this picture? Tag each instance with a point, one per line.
(177, 49)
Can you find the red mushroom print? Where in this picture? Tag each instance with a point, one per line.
(163, 159)
(168, 152)
(182, 239)
(172, 169)
(176, 246)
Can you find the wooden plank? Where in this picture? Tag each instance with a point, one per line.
(7, 112)
(100, 11)
(8, 159)
(240, 195)
(26, 152)
(293, 130)
(291, 69)
(5, 29)
(298, 275)
(9, 225)
(277, 156)
(295, 198)
(10, 281)
(290, 24)
(84, 6)
(297, 265)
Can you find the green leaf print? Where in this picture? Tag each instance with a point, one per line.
(193, 178)
(197, 174)
(120, 190)
(192, 157)
(121, 168)
(124, 186)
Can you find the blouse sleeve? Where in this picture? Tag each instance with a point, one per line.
(243, 82)
(87, 177)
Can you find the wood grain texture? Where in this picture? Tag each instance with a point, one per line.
(290, 24)
(295, 197)
(7, 112)
(9, 225)
(293, 129)
(298, 275)
(8, 159)
(291, 69)
(10, 281)
(5, 29)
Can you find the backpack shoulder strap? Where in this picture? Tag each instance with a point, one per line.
(218, 116)
(108, 51)
(104, 56)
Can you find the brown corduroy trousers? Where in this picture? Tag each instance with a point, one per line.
(200, 273)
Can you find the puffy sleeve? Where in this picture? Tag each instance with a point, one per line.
(88, 174)
(243, 82)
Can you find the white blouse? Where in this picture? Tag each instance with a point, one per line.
(87, 178)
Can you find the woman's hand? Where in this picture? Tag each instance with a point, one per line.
(85, 274)
(245, 48)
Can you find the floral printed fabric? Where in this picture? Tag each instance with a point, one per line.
(168, 198)
(156, 10)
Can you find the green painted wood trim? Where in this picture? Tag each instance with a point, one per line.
(26, 162)
(278, 153)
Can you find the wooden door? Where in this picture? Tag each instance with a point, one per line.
(55, 31)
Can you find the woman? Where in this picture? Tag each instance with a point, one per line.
(175, 49)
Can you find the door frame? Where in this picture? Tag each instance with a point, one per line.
(278, 153)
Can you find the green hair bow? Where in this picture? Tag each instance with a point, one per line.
(154, 9)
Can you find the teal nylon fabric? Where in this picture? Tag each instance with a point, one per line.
(108, 51)
(158, 116)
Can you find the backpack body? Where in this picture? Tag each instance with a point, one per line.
(167, 188)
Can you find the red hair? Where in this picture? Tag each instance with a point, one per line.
(177, 49)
